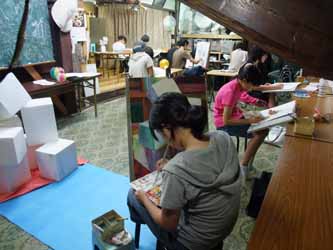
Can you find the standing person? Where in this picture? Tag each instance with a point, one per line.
(120, 44)
(229, 118)
(145, 39)
(201, 185)
(238, 56)
(179, 60)
(140, 63)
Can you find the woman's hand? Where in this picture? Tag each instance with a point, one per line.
(141, 196)
(161, 163)
(255, 119)
(277, 86)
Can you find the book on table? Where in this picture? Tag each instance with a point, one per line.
(287, 87)
(151, 185)
(274, 116)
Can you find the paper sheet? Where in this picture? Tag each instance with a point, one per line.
(43, 82)
(287, 87)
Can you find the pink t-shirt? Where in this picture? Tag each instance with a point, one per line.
(228, 96)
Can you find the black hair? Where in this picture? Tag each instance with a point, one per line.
(182, 42)
(240, 45)
(250, 73)
(121, 37)
(173, 110)
(145, 38)
(256, 54)
(149, 51)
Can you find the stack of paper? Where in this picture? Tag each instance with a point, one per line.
(287, 87)
(282, 114)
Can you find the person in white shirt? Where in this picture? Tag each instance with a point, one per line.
(238, 56)
(140, 63)
(120, 44)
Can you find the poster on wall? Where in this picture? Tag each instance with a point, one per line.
(78, 32)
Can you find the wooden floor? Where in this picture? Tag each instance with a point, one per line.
(111, 83)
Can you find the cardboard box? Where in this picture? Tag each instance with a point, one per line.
(12, 96)
(12, 146)
(57, 159)
(14, 176)
(14, 121)
(39, 121)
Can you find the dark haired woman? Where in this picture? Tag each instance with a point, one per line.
(263, 61)
(201, 184)
(229, 118)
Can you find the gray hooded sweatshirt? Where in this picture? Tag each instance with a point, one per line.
(138, 64)
(206, 185)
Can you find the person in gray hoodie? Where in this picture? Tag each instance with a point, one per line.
(140, 63)
(201, 185)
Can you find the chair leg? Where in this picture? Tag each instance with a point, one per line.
(245, 144)
(137, 235)
(237, 138)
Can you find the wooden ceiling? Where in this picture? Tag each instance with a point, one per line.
(300, 31)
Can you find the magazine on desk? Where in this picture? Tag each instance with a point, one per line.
(287, 87)
(151, 185)
(274, 116)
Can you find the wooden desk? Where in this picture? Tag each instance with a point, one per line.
(217, 72)
(74, 85)
(297, 210)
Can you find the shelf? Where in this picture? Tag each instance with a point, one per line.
(211, 36)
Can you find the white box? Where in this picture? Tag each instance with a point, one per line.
(13, 96)
(14, 121)
(57, 159)
(12, 146)
(12, 177)
(39, 121)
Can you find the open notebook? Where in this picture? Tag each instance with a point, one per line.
(287, 87)
(284, 113)
(151, 185)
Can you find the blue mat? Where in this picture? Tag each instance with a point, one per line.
(60, 214)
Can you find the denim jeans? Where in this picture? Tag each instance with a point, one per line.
(139, 214)
(194, 71)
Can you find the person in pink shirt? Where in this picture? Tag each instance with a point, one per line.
(229, 117)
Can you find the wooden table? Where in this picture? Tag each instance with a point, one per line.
(297, 210)
(74, 85)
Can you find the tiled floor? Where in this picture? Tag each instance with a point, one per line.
(104, 142)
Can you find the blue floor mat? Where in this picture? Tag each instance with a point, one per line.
(60, 214)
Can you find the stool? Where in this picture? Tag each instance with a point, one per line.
(137, 237)
(99, 244)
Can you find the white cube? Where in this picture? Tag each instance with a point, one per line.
(14, 121)
(12, 177)
(39, 121)
(12, 146)
(13, 96)
(57, 159)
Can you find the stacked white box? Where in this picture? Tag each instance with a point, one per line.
(14, 167)
(12, 177)
(57, 159)
(39, 121)
(14, 121)
(12, 146)
(31, 152)
(12, 96)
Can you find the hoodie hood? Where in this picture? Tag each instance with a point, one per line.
(216, 167)
(137, 56)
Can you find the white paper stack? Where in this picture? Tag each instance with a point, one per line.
(57, 159)
(14, 121)
(12, 96)
(14, 167)
(39, 121)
